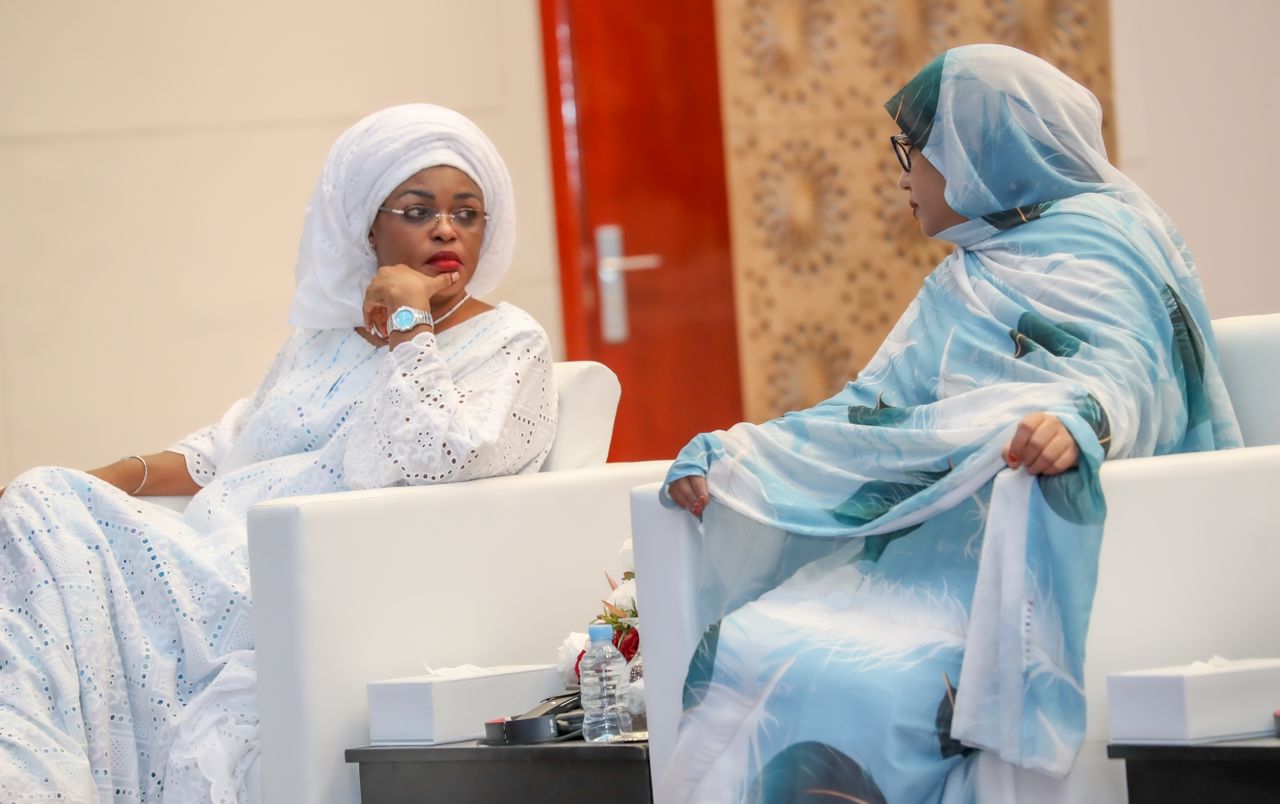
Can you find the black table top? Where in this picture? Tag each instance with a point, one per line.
(1259, 749)
(469, 751)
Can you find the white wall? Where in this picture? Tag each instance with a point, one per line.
(1197, 108)
(155, 163)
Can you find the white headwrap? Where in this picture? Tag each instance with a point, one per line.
(335, 260)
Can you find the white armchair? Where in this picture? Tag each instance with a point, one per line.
(1189, 552)
(353, 587)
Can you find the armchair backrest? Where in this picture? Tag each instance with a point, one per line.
(588, 401)
(1249, 346)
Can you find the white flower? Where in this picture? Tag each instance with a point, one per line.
(567, 656)
(626, 558)
(635, 696)
(624, 597)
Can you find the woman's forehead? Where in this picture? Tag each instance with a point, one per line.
(441, 179)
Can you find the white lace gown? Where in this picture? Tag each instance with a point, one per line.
(126, 630)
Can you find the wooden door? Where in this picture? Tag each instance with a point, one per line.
(634, 111)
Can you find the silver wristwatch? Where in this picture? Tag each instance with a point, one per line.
(406, 318)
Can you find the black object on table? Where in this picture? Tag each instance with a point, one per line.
(467, 773)
(1229, 772)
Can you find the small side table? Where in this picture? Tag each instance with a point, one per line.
(466, 773)
(1237, 771)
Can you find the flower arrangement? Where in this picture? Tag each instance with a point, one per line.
(619, 610)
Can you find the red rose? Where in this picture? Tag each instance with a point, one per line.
(627, 642)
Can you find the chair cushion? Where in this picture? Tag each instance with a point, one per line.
(1249, 346)
(588, 401)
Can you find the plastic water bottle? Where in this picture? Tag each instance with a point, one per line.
(604, 688)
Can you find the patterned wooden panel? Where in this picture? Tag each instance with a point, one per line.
(826, 253)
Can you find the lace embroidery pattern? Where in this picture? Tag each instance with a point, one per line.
(126, 630)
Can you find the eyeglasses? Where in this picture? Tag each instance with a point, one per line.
(464, 219)
(902, 149)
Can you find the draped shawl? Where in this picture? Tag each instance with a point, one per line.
(880, 530)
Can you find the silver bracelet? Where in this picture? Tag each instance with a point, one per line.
(134, 493)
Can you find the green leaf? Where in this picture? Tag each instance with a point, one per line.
(701, 667)
(1034, 332)
(873, 500)
(879, 416)
(1188, 358)
(813, 773)
(948, 746)
(914, 106)
(1017, 216)
(1075, 495)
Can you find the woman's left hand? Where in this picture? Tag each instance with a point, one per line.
(1042, 445)
(690, 493)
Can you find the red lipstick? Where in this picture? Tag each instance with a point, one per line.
(445, 261)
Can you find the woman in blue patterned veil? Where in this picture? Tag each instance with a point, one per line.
(902, 575)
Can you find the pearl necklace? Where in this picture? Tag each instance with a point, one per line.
(452, 310)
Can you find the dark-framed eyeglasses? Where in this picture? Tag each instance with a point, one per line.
(902, 149)
(464, 219)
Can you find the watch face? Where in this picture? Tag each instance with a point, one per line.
(402, 319)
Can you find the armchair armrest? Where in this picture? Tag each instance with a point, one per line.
(668, 553)
(353, 587)
(1189, 552)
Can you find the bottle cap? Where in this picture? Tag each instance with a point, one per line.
(600, 632)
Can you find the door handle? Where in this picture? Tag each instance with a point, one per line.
(611, 268)
(635, 263)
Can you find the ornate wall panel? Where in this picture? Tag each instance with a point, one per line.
(826, 253)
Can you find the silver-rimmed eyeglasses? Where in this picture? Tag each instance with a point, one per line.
(464, 219)
(902, 149)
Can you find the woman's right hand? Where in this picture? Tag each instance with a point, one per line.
(690, 493)
(1042, 445)
(395, 286)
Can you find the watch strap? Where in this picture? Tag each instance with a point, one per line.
(406, 318)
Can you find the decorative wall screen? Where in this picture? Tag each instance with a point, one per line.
(826, 253)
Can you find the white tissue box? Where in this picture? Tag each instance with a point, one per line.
(1201, 702)
(453, 704)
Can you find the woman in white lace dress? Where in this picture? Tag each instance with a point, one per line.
(126, 638)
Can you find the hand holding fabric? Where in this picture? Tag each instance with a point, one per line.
(1043, 445)
(690, 493)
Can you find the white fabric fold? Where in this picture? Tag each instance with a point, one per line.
(992, 664)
